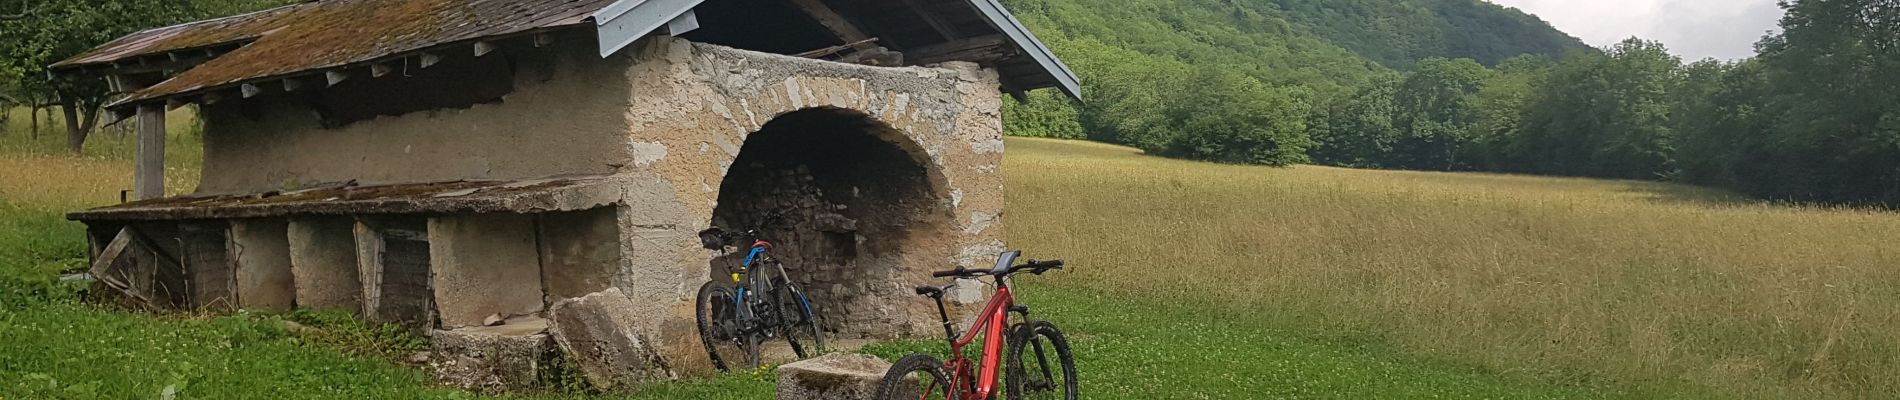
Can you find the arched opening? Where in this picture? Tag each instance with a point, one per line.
(842, 196)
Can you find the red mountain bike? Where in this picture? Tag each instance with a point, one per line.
(922, 377)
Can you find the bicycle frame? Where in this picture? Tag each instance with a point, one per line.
(991, 325)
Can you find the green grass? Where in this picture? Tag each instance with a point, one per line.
(1186, 281)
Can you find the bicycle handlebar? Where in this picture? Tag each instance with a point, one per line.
(1033, 266)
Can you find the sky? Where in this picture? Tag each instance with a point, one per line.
(1693, 29)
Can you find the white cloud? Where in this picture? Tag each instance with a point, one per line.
(1694, 29)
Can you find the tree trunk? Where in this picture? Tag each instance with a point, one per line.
(33, 122)
(76, 131)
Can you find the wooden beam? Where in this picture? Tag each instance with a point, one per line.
(211, 98)
(292, 84)
(543, 40)
(175, 103)
(981, 50)
(428, 59)
(931, 18)
(149, 176)
(334, 77)
(377, 70)
(838, 25)
(250, 90)
(483, 48)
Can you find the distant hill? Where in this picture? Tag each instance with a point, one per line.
(1398, 33)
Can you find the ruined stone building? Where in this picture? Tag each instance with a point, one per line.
(449, 165)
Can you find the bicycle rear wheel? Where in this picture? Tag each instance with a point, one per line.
(1040, 365)
(915, 377)
(717, 314)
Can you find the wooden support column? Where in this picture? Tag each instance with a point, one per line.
(149, 176)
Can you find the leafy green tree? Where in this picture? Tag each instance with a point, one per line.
(1437, 113)
(46, 31)
(1834, 73)
(1603, 116)
(1238, 120)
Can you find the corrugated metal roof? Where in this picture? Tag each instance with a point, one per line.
(327, 34)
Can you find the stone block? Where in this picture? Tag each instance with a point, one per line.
(835, 376)
(509, 357)
(599, 333)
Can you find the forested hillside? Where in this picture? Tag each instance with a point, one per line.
(1238, 80)
(1467, 85)
(1400, 33)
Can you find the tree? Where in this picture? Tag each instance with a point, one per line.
(1834, 72)
(1603, 116)
(1437, 113)
(1232, 118)
(53, 30)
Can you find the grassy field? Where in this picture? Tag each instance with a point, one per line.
(1188, 281)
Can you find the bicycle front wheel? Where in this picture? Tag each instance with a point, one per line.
(1040, 365)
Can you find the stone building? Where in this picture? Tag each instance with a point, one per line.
(450, 165)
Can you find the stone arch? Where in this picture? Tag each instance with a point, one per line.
(850, 202)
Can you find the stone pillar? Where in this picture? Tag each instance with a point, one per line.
(485, 264)
(264, 279)
(323, 263)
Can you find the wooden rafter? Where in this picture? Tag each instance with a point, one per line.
(838, 25)
(931, 18)
(981, 49)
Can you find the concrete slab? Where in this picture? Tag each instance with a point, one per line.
(834, 376)
(490, 360)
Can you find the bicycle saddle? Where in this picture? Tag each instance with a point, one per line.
(932, 291)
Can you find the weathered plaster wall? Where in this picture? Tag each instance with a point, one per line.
(562, 118)
(262, 250)
(693, 106)
(323, 263)
(484, 264)
(580, 251)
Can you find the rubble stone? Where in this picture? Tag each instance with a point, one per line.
(834, 376)
(495, 359)
(598, 333)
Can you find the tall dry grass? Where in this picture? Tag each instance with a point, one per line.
(1653, 289)
(41, 172)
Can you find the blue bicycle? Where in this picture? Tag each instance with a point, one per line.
(760, 303)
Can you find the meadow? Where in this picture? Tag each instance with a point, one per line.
(1187, 281)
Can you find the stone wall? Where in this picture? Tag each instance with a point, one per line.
(693, 107)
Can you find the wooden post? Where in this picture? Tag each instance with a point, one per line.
(149, 177)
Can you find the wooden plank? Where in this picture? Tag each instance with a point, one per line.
(211, 273)
(832, 21)
(102, 266)
(982, 50)
(483, 48)
(149, 176)
(334, 77)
